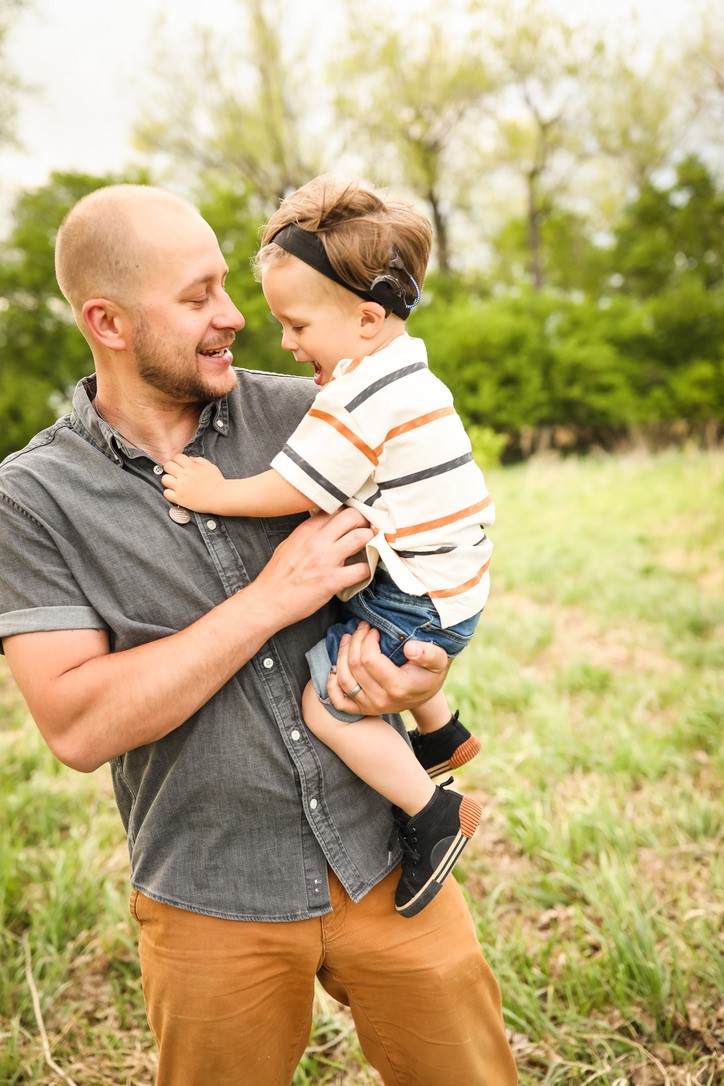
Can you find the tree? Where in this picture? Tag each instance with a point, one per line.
(572, 260)
(10, 83)
(541, 119)
(642, 108)
(234, 120)
(411, 100)
(673, 232)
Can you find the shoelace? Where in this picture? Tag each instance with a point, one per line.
(401, 834)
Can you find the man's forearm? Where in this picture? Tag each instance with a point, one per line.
(111, 703)
(91, 704)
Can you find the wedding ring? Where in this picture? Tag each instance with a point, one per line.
(353, 692)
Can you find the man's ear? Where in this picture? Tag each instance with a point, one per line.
(371, 316)
(106, 322)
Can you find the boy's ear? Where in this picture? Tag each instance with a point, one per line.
(372, 316)
(106, 324)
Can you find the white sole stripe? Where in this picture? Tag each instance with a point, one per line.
(448, 862)
(459, 845)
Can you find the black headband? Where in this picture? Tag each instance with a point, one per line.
(384, 289)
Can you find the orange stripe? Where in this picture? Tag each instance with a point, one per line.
(421, 420)
(430, 524)
(345, 432)
(461, 587)
(354, 364)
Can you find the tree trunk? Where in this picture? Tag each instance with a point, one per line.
(439, 222)
(534, 232)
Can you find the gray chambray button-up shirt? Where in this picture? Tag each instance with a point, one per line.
(237, 812)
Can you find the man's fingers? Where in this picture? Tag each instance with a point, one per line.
(425, 654)
(351, 669)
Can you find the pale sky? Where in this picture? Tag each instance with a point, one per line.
(90, 60)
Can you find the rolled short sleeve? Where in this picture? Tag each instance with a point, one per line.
(37, 589)
(328, 457)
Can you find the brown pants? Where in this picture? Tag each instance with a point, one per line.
(230, 1002)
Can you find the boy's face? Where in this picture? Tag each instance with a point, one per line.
(320, 321)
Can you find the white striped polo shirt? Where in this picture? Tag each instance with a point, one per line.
(383, 436)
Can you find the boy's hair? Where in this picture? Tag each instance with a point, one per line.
(361, 229)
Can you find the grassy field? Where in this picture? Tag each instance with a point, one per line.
(595, 684)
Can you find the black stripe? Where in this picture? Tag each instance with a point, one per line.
(440, 550)
(314, 474)
(383, 382)
(416, 554)
(426, 473)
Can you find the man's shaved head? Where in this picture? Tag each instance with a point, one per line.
(105, 243)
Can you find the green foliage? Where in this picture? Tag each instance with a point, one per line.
(10, 83)
(590, 367)
(584, 366)
(673, 233)
(42, 351)
(251, 126)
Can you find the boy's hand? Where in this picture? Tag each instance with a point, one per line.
(192, 482)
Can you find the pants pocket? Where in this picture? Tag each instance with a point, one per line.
(133, 905)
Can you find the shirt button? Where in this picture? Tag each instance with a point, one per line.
(296, 735)
(268, 663)
(219, 424)
(211, 524)
(313, 804)
(157, 469)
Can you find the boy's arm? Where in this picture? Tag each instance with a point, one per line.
(198, 484)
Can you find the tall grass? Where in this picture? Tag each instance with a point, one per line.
(595, 685)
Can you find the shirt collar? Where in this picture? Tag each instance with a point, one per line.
(110, 442)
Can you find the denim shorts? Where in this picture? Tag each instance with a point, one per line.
(399, 617)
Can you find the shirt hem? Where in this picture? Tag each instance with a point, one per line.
(287, 918)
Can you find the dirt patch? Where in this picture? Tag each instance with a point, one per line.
(576, 635)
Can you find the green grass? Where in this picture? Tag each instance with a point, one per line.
(595, 685)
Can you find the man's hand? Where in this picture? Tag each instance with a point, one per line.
(192, 482)
(308, 567)
(386, 688)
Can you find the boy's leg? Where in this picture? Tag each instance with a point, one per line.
(425, 1003)
(433, 714)
(228, 1001)
(431, 825)
(374, 751)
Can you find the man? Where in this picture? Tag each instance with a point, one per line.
(172, 646)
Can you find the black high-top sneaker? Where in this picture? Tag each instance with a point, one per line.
(446, 749)
(431, 842)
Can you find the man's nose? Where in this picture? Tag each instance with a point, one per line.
(229, 316)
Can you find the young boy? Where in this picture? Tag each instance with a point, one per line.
(341, 267)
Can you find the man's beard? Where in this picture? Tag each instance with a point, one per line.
(158, 371)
